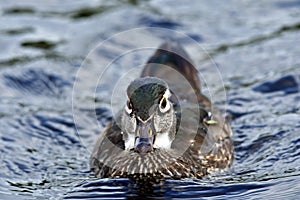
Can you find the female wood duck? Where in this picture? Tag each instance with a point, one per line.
(167, 129)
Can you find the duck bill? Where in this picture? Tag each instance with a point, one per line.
(144, 137)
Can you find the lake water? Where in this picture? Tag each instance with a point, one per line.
(48, 126)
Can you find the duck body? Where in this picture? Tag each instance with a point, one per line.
(168, 128)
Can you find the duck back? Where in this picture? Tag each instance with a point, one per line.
(171, 63)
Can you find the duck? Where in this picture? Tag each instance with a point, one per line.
(167, 129)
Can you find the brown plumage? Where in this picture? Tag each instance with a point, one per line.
(202, 142)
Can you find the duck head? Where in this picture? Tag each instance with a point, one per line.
(148, 118)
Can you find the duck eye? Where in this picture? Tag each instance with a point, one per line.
(128, 107)
(164, 105)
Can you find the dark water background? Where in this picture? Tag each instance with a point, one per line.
(42, 44)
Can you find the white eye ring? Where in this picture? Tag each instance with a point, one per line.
(164, 105)
(128, 107)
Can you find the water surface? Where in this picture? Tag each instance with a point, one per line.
(253, 43)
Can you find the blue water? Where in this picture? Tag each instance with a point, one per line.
(44, 152)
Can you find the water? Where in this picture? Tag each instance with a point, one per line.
(254, 44)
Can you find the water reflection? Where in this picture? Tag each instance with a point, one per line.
(43, 45)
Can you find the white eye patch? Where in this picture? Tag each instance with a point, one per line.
(128, 107)
(164, 104)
